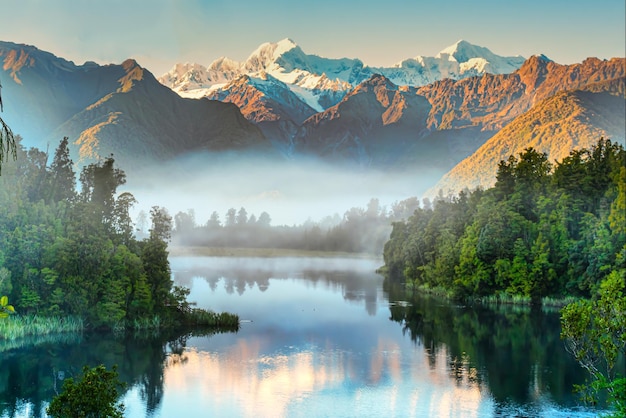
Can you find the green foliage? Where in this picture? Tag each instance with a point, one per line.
(360, 230)
(5, 308)
(595, 331)
(541, 231)
(21, 326)
(94, 395)
(73, 254)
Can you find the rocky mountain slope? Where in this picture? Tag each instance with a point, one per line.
(282, 101)
(119, 109)
(322, 82)
(440, 124)
(556, 125)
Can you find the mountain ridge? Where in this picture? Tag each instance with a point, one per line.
(113, 109)
(590, 113)
(286, 61)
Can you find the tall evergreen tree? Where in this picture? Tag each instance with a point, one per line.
(63, 178)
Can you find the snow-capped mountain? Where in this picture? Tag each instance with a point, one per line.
(322, 82)
(457, 61)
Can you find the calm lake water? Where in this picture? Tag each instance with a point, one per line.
(320, 338)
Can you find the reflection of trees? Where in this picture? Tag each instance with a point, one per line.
(34, 374)
(354, 286)
(518, 351)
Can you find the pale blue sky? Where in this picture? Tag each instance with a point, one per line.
(159, 33)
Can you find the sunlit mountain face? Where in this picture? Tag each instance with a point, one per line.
(412, 122)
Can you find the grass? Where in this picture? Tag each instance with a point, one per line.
(437, 291)
(558, 302)
(202, 317)
(505, 299)
(20, 326)
(146, 324)
(500, 299)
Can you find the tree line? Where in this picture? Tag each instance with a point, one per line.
(359, 230)
(72, 252)
(543, 230)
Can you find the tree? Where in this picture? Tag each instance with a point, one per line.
(142, 221)
(154, 257)
(214, 221)
(595, 332)
(62, 174)
(242, 217)
(161, 224)
(8, 147)
(99, 183)
(185, 222)
(264, 220)
(94, 395)
(231, 217)
(122, 222)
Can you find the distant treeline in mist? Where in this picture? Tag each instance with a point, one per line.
(544, 230)
(69, 252)
(360, 230)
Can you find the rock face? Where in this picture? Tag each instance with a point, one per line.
(119, 109)
(372, 125)
(268, 103)
(328, 107)
(457, 117)
(492, 101)
(281, 101)
(321, 82)
(556, 125)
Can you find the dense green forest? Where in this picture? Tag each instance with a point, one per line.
(360, 230)
(544, 230)
(73, 253)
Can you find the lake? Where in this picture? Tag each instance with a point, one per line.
(320, 337)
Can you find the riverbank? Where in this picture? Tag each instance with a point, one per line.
(179, 251)
(20, 326)
(499, 299)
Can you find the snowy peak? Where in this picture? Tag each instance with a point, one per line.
(322, 82)
(224, 64)
(460, 60)
(463, 51)
(266, 56)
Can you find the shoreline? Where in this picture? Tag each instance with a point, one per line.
(180, 251)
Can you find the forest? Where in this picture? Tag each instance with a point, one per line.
(545, 230)
(72, 253)
(359, 230)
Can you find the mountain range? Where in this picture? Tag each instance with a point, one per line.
(113, 109)
(321, 82)
(459, 112)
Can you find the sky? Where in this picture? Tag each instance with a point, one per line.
(161, 33)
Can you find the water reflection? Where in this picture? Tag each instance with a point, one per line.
(32, 373)
(516, 350)
(355, 279)
(325, 338)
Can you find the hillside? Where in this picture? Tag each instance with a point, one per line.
(372, 125)
(119, 109)
(568, 120)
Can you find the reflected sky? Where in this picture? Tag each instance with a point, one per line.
(320, 343)
(320, 339)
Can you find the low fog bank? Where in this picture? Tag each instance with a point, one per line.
(291, 192)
